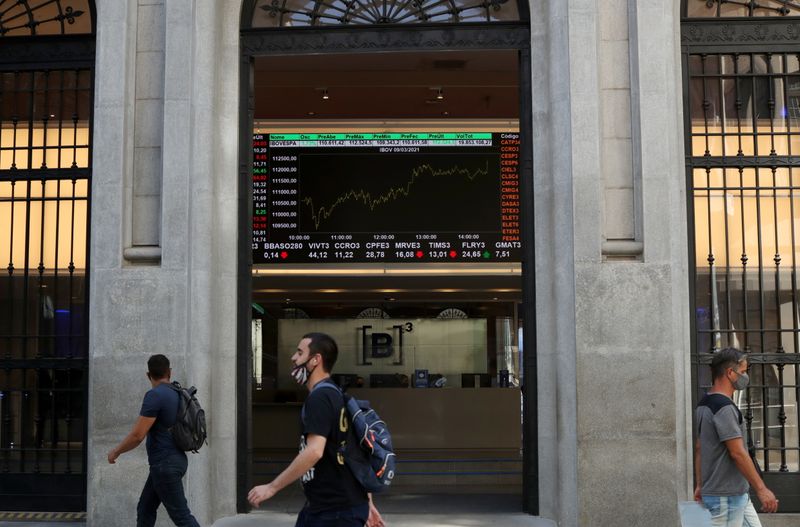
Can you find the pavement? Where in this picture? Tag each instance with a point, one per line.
(408, 510)
(403, 509)
(398, 510)
(282, 519)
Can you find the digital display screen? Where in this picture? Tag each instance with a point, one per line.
(386, 197)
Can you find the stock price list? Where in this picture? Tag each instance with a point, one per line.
(386, 197)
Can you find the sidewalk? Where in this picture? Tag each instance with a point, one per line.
(282, 519)
(407, 510)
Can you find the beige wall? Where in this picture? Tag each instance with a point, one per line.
(448, 347)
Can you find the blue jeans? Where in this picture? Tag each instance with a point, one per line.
(165, 485)
(731, 511)
(350, 517)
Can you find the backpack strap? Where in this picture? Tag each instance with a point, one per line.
(175, 385)
(716, 402)
(327, 382)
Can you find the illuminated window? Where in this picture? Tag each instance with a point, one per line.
(44, 165)
(45, 17)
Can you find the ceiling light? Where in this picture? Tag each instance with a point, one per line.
(325, 95)
(439, 94)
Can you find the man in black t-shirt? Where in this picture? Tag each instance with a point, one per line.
(167, 462)
(334, 498)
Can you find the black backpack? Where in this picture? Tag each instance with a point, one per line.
(189, 430)
(369, 454)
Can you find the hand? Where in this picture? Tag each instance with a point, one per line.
(259, 494)
(768, 501)
(374, 519)
(112, 456)
(697, 496)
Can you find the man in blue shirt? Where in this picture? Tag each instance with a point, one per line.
(167, 462)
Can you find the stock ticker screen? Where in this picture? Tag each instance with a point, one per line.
(386, 197)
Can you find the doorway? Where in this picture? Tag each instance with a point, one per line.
(386, 204)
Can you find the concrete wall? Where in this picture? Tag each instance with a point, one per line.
(163, 248)
(612, 283)
(631, 285)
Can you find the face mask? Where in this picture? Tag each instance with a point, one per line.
(742, 381)
(300, 373)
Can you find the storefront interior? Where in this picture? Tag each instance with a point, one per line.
(431, 336)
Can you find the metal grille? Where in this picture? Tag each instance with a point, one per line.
(45, 120)
(740, 8)
(45, 17)
(744, 177)
(298, 13)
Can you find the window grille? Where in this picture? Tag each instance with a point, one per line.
(45, 181)
(300, 13)
(743, 176)
(45, 17)
(740, 8)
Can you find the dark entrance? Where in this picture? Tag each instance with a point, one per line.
(292, 31)
(46, 85)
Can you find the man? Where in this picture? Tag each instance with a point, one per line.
(724, 470)
(167, 462)
(334, 498)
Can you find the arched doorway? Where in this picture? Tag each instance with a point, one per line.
(293, 38)
(46, 98)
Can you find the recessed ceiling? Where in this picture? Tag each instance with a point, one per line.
(473, 84)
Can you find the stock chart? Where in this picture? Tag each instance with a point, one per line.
(391, 197)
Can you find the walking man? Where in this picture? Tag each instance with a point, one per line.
(167, 462)
(724, 470)
(334, 498)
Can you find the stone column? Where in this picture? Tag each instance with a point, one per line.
(183, 303)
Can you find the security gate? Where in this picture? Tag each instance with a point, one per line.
(741, 63)
(46, 86)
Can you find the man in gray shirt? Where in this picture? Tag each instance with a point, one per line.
(724, 470)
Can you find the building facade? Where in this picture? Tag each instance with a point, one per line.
(656, 202)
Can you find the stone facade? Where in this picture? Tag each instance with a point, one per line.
(611, 249)
(163, 247)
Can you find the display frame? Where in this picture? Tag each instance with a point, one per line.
(299, 179)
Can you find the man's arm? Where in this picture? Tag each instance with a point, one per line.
(374, 519)
(302, 463)
(698, 476)
(745, 465)
(132, 440)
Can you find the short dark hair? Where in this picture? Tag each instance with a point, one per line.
(324, 345)
(724, 359)
(158, 366)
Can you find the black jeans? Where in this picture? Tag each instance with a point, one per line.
(165, 485)
(350, 517)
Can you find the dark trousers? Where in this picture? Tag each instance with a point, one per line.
(165, 485)
(350, 517)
